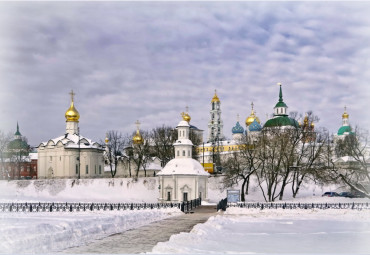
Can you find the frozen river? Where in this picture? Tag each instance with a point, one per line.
(249, 235)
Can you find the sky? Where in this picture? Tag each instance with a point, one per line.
(147, 61)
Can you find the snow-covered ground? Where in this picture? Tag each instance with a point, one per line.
(50, 232)
(252, 231)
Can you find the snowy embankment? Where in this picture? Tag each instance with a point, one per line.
(118, 190)
(274, 231)
(49, 232)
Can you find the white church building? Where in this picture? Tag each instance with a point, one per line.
(183, 178)
(70, 155)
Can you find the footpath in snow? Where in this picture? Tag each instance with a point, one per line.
(47, 232)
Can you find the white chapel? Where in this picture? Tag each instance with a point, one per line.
(183, 178)
(70, 155)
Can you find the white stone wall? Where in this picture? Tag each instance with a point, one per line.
(59, 162)
(177, 185)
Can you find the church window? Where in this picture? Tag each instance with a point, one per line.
(168, 196)
(183, 153)
(188, 153)
(178, 153)
(76, 169)
(99, 169)
(95, 169)
(87, 169)
(185, 196)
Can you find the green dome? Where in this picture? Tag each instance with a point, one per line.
(281, 121)
(344, 129)
(281, 104)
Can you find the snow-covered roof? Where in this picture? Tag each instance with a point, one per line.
(151, 166)
(71, 141)
(183, 123)
(183, 166)
(183, 142)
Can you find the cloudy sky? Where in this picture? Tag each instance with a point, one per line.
(147, 61)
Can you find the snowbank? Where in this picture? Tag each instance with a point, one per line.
(254, 231)
(83, 190)
(50, 232)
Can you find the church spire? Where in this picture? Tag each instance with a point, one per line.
(17, 134)
(280, 108)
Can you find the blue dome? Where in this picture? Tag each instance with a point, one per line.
(255, 126)
(238, 129)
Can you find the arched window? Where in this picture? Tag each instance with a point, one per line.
(183, 153)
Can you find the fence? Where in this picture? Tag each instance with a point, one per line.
(78, 207)
(357, 206)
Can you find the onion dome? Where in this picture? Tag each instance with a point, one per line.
(185, 115)
(106, 138)
(345, 114)
(238, 129)
(137, 139)
(255, 126)
(72, 114)
(252, 117)
(215, 98)
(305, 121)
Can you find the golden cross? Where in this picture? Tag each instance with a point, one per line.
(72, 94)
(237, 117)
(137, 124)
(187, 109)
(279, 83)
(252, 105)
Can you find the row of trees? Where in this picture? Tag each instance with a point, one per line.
(283, 157)
(157, 142)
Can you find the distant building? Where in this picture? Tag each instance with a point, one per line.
(70, 155)
(19, 161)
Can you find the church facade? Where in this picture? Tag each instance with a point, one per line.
(183, 178)
(70, 155)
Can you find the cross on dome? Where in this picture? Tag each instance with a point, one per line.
(137, 123)
(72, 94)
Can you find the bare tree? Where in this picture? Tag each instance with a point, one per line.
(241, 165)
(163, 139)
(354, 172)
(141, 153)
(4, 141)
(115, 149)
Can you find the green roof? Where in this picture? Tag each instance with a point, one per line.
(344, 129)
(281, 121)
(281, 104)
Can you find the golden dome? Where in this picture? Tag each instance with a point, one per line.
(251, 118)
(72, 114)
(345, 114)
(106, 139)
(215, 98)
(312, 124)
(138, 139)
(305, 121)
(186, 117)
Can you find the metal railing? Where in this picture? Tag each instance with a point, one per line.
(262, 206)
(79, 207)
